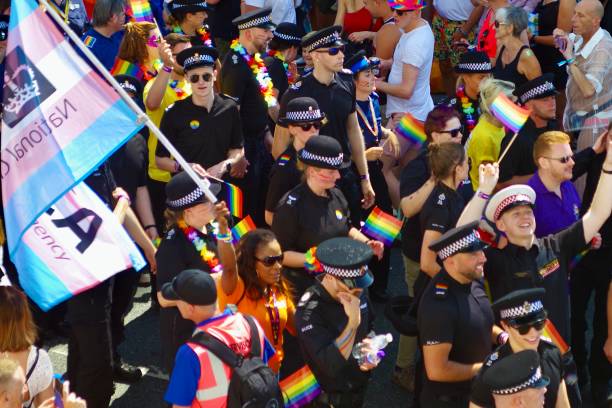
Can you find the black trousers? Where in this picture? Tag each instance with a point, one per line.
(157, 191)
(350, 185)
(349, 399)
(123, 292)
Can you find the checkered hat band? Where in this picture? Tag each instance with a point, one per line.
(176, 5)
(197, 59)
(459, 245)
(538, 91)
(332, 161)
(328, 39)
(286, 37)
(513, 390)
(509, 200)
(475, 66)
(304, 116)
(255, 22)
(128, 87)
(188, 199)
(342, 273)
(522, 310)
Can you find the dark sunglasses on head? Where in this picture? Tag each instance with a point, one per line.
(271, 260)
(453, 132)
(526, 327)
(194, 78)
(563, 160)
(307, 126)
(333, 50)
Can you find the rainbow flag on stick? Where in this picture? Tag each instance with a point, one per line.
(242, 228)
(551, 333)
(300, 388)
(234, 199)
(382, 226)
(140, 10)
(507, 112)
(411, 129)
(123, 67)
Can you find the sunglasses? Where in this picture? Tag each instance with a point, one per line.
(333, 50)
(272, 260)
(563, 160)
(153, 41)
(453, 132)
(307, 126)
(526, 327)
(194, 78)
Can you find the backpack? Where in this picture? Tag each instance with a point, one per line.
(253, 383)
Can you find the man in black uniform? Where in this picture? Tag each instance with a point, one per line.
(204, 127)
(455, 320)
(334, 90)
(523, 318)
(283, 50)
(333, 316)
(256, 102)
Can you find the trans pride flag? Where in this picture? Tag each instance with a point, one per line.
(61, 121)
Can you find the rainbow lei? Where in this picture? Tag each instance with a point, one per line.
(467, 108)
(257, 66)
(311, 263)
(207, 256)
(180, 92)
(279, 55)
(201, 33)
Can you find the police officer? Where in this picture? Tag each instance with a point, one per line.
(455, 320)
(204, 127)
(332, 316)
(303, 118)
(282, 51)
(523, 318)
(334, 90)
(254, 94)
(517, 381)
(189, 17)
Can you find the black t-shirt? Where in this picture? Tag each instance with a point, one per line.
(459, 314)
(550, 364)
(238, 81)
(441, 209)
(278, 74)
(283, 177)
(319, 320)
(544, 265)
(129, 165)
(337, 100)
(200, 136)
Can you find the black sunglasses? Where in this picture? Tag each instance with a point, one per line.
(453, 132)
(207, 77)
(400, 12)
(526, 327)
(307, 126)
(563, 160)
(271, 260)
(333, 50)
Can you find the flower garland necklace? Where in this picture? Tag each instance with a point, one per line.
(180, 92)
(257, 66)
(201, 33)
(207, 256)
(467, 108)
(279, 55)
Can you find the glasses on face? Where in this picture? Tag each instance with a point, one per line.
(153, 41)
(272, 260)
(194, 78)
(333, 50)
(307, 126)
(563, 160)
(453, 132)
(524, 328)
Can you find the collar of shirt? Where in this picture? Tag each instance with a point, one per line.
(226, 312)
(539, 187)
(333, 81)
(585, 50)
(315, 196)
(517, 250)
(464, 287)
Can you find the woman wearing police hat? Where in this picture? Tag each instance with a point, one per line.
(282, 51)
(191, 243)
(187, 17)
(314, 211)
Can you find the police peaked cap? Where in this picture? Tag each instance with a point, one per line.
(323, 152)
(131, 84)
(301, 110)
(259, 18)
(474, 62)
(288, 33)
(515, 373)
(188, 6)
(346, 258)
(458, 240)
(182, 192)
(507, 198)
(523, 305)
(199, 56)
(537, 88)
(324, 38)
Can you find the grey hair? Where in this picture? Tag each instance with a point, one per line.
(516, 16)
(104, 10)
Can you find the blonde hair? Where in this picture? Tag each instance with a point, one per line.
(490, 88)
(542, 145)
(18, 330)
(133, 47)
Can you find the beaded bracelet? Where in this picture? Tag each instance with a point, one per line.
(224, 237)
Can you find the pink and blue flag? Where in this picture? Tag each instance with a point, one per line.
(61, 121)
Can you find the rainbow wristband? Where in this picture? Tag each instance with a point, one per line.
(224, 237)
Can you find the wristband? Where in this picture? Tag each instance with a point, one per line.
(364, 177)
(150, 226)
(166, 69)
(177, 167)
(125, 196)
(484, 196)
(224, 237)
(502, 338)
(567, 61)
(606, 171)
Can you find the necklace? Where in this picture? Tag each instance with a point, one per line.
(467, 108)
(373, 131)
(279, 55)
(273, 314)
(201, 33)
(257, 66)
(180, 92)
(207, 256)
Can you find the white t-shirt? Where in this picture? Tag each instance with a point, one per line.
(455, 10)
(283, 11)
(415, 48)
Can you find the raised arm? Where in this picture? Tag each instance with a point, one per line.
(488, 174)
(601, 207)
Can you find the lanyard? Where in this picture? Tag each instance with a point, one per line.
(273, 314)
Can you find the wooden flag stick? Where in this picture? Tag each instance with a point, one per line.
(501, 157)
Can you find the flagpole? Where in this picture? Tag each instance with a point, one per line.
(501, 157)
(142, 117)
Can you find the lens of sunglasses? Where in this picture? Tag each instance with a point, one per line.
(453, 132)
(525, 328)
(399, 12)
(207, 77)
(566, 159)
(307, 126)
(335, 50)
(271, 260)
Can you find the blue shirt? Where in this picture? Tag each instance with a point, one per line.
(368, 137)
(554, 213)
(104, 48)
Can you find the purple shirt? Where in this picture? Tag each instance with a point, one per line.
(552, 213)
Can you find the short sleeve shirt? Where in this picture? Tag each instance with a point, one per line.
(441, 209)
(283, 177)
(104, 48)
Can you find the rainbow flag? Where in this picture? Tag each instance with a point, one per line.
(550, 332)
(411, 129)
(382, 226)
(123, 67)
(139, 10)
(300, 388)
(242, 228)
(575, 260)
(234, 199)
(89, 41)
(284, 159)
(507, 112)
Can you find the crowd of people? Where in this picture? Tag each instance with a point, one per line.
(506, 234)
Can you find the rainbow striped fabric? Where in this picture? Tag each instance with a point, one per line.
(411, 129)
(242, 228)
(382, 226)
(123, 67)
(300, 388)
(139, 10)
(284, 159)
(576, 259)
(234, 199)
(507, 112)
(550, 332)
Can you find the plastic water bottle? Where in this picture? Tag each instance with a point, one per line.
(374, 352)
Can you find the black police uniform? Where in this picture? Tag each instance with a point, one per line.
(460, 314)
(303, 220)
(283, 177)
(550, 363)
(200, 136)
(278, 74)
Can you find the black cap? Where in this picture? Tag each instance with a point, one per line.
(130, 84)
(259, 18)
(522, 305)
(188, 6)
(474, 62)
(461, 239)
(194, 57)
(323, 152)
(359, 62)
(288, 33)
(301, 110)
(193, 286)
(324, 38)
(4, 27)
(515, 373)
(537, 88)
(182, 192)
(346, 259)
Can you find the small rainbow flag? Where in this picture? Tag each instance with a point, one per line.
(123, 67)
(575, 260)
(234, 199)
(284, 159)
(550, 332)
(242, 228)
(382, 226)
(300, 388)
(89, 41)
(139, 10)
(507, 112)
(411, 129)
